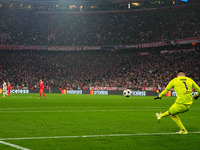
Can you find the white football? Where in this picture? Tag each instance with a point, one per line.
(127, 93)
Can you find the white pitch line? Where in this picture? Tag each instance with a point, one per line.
(28, 108)
(70, 111)
(91, 136)
(13, 145)
(53, 108)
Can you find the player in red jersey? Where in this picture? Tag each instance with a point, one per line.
(9, 87)
(42, 89)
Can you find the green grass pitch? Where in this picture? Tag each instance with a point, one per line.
(69, 116)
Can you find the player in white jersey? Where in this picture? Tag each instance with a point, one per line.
(4, 88)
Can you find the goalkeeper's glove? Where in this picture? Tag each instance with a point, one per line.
(196, 97)
(157, 97)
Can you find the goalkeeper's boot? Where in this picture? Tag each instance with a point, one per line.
(158, 115)
(182, 132)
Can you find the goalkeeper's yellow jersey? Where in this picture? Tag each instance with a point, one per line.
(183, 88)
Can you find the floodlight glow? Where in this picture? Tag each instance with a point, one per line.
(184, 0)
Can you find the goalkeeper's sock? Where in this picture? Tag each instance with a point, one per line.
(40, 95)
(177, 120)
(165, 114)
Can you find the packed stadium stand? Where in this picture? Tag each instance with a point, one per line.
(103, 69)
(112, 68)
(25, 27)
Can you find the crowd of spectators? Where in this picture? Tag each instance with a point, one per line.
(29, 27)
(96, 68)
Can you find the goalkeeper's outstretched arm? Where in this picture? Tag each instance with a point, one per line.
(169, 86)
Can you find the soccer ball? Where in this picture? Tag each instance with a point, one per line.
(127, 93)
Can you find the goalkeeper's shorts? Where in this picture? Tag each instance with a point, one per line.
(179, 108)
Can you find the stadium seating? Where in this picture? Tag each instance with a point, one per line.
(85, 69)
(29, 27)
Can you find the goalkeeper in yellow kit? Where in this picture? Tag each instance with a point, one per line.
(183, 88)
